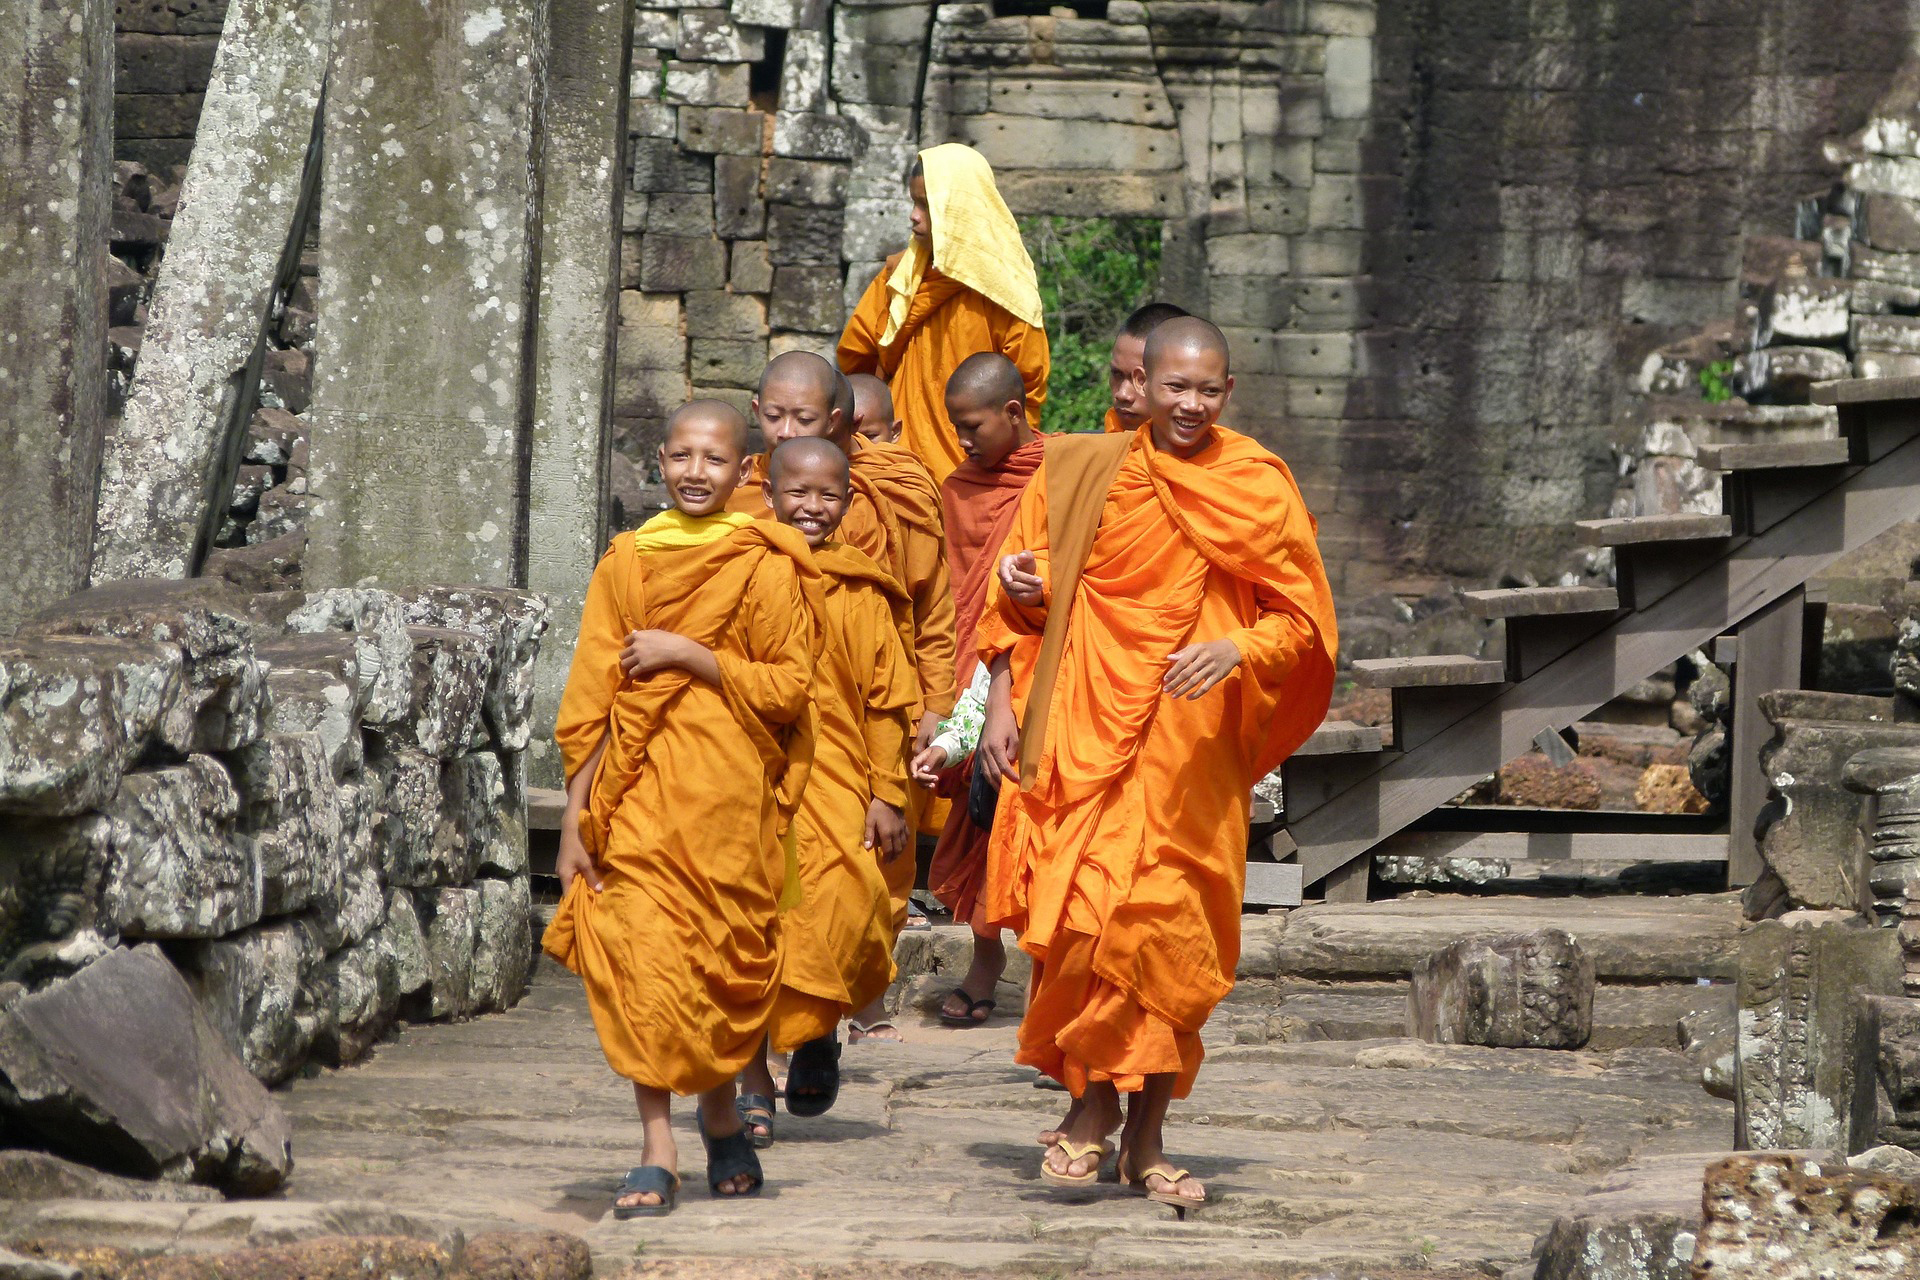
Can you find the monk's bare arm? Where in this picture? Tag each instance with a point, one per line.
(859, 350)
(999, 748)
(649, 651)
(933, 630)
(573, 859)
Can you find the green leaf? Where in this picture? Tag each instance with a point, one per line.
(1093, 272)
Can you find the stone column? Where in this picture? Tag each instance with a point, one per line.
(584, 179)
(163, 459)
(56, 171)
(1795, 1083)
(429, 250)
(1891, 775)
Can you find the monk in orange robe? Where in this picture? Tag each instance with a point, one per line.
(987, 408)
(1186, 647)
(965, 283)
(873, 415)
(685, 736)
(839, 939)
(1130, 353)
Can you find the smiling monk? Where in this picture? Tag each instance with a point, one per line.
(1186, 647)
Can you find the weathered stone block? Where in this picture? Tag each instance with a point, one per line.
(117, 1066)
(283, 512)
(1102, 145)
(417, 848)
(290, 808)
(1801, 309)
(675, 264)
(179, 869)
(679, 213)
(206, 620)
(1889, 1071)
(403, 945)
(738, 210)
(363, 898)
(660, 166)
(266, 990)
(1787, 372)
(451, 671)
(750, 270)
(1800, 1037)
(816, 183)
(720, 314)
(1888, 222)
(709, 35)
(61, 894)
(503, 943)
(1637, 1224)
(722, 130)
(1791, 1216)
(377, 626)
(706, 84)
(655, 29)
(817, 137)
(718, 362)
(1521, 991)
(510, 623)
(452, 922)
(805, 299)
(798, 235)
(472, 795)
(648, 393)
(321, 703)
(75, 713)
(364, 1005)
(803, 72)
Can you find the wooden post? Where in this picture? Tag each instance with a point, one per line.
(1350, 882)
(1771, 643)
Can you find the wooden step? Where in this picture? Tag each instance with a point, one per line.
(1774, 455)
(1341, 738)
(1558, 846)
(1865, 390)
(1540, 602)
(1628, 531)
(1443, 671)
(1877, 415)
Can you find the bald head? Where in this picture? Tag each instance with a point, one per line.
(843, 401)
(1145, 320)
(713, 415)
(808, 452)
(802, 394)
(800, 369)
(1187, 336)
(873, 408)
(985, 378)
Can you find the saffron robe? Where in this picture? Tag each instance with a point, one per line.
(1122, 861)
(839, 939)
(946, 323)
(979, 506)
(680, 949)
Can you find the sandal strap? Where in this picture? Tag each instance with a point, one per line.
(1173, 1176)
(868, 1028)
(731, 1156)
(1081, 1150)
(645, 1178)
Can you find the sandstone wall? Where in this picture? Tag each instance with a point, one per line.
(165, 50)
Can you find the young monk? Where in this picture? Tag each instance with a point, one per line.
(986, 404)
(964, 284)
(839, 939)
(1129, 353)
(684, 732)
(1186, 647)
(873, 415)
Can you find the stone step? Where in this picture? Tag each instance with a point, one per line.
(1537, 602)
(1624, 1017)
(1449, 670)
(1626, 531)
(1341, 738)
(545, 807)
(1866, 390)
(1774, 455)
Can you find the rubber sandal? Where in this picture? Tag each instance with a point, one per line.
(813, 1076)
(1075, 1151)
(866, 1029)
(973, 1006)
(639, 1180)
(756, 1110)
(728, 1158)
(1173, 1176)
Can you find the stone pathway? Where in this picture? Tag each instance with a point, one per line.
(1325, 1157)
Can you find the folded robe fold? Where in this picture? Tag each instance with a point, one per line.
(1122, 863)
(839, 939)
(680, 949)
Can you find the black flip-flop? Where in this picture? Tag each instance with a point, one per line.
(813, 1076)
(973, 1006)
(640, 1180)
(728, 1158)
(756, 1109)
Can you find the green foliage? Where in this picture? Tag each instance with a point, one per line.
(1713, 382)
(1093, 272)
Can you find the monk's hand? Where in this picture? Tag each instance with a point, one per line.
(1192, 671)
(1020, 578)
(927, 763)
(886, 830)
(999, 749)
(574, 860)
(923, 736)
(650, 651)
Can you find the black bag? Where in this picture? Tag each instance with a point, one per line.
(983, 794)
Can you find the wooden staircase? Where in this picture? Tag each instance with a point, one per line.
(1790, 509)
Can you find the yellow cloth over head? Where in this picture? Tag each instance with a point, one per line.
(976, 242)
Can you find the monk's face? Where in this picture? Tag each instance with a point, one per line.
(788, 408)
(810, 495)
(702, 464)
(1129, 354)
(1184, 394)
(873, 418)
(920, 222)
(988, 432)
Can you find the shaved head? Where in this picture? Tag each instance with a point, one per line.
(986, 378)
(801, 368)
(712, 413)
(1144, 321)
(808, 451)
(843, 399)
(872, 398)
(1187, 335)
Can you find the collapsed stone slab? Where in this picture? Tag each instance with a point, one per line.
(74, 714)
(383, 652)
(118, 1066)
(1518, 991)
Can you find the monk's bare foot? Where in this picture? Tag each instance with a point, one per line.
(1159, 1180)
(1144, 1164)
(719, 1120)
(663, 1154)
(972, 999)
(1098, 1115)
(1053, 1136)
(883, 1031)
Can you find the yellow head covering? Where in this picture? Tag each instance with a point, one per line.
(675, 530)
(975, 240)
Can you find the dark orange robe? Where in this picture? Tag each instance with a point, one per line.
(1122, 865)
(680, 949)
(839, 939)
(980, 506)
(946, 323)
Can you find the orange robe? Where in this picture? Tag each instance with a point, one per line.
(680, 950)
(839, 939)
(1123, 864)
(909, 492)
(946, 323)
(1111, 423)
(980, 506)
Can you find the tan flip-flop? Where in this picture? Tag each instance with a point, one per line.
(1075, 1151)
(1173, 1176)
